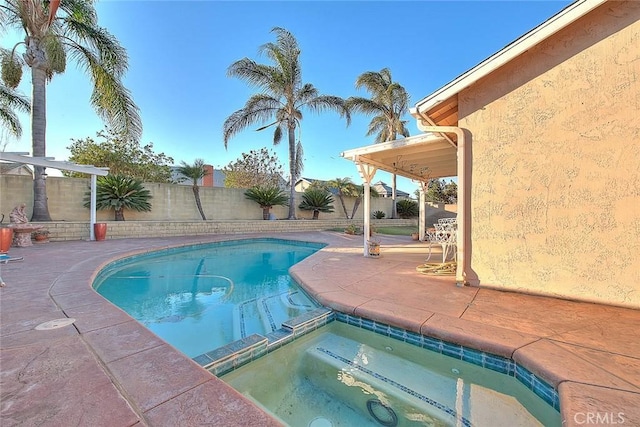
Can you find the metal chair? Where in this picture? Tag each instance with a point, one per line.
(444, 233)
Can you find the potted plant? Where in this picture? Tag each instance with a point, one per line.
(415, 235)
(6, 237)
(41, 236)
(351, 229)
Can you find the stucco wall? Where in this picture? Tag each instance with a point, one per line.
(555, 163)
(170, 202)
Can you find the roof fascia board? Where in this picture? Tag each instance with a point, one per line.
(383, 146)
(543, 31)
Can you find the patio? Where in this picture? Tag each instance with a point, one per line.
(108, 370)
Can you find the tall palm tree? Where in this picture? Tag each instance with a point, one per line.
(49, 40)
(358, 193)
(281, 99)
(388, 103)
(195, 172)
(344, 187)
(10, 102)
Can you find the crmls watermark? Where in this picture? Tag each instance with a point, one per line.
(599, 418)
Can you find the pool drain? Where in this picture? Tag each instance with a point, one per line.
(382, 413)
(320, 422)
(55, 324)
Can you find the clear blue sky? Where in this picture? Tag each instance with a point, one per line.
(179, 52)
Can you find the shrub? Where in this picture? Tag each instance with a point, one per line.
(379, 215)
(120, 192)
(407, 208)
(316, 200)
(267, 197)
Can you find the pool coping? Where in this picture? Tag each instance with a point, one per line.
(596, 367)
(241, 352)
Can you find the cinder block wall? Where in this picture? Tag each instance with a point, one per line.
(79, 230)
(170, 202)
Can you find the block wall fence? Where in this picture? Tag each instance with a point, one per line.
(174, 212)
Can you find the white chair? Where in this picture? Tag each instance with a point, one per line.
(445, 234)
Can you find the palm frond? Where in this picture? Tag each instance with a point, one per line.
(328, 102)
(109, 52)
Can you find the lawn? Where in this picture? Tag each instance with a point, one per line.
(401, 230)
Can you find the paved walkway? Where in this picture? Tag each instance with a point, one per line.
(107, 370)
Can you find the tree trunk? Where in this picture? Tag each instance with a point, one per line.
(344, 208)
(196, 194)
(265, 212)
(356, 205)
(316, 214)
(292, 172)
(119, 214)
(38, 131)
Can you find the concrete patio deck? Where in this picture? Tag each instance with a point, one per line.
(108, 370)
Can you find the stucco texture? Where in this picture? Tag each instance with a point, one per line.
(555, 191)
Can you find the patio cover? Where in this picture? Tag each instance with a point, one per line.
(421, 158)
(49, 162)
(442, 151)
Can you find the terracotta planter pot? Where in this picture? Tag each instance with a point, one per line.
(100, 230)
(6, 237)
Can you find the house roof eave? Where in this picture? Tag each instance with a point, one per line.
(560, 20)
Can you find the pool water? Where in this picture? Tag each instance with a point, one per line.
(342, 375)
(201, 297)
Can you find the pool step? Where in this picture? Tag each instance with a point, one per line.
(232, 356)
(356, 373)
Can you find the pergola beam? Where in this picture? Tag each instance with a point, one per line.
(50, 162)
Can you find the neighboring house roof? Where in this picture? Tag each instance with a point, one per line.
(218, 177)
(386, 191)
(11, 168)
(441, 107)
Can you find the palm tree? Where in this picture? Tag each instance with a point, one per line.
(389, 102)
(344, 187)
(316, 200)
(119, 192)
(195, 172)
(358, 192)
(267, 197)
(49, 40)
(10, 101)
(282, 98)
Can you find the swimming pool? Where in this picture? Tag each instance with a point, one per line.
(342, 375)
(201, 297)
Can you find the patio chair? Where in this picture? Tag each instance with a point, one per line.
(444, 234)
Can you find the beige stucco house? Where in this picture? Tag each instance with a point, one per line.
(545, 138)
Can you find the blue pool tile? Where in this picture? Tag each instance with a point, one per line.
(472, 356)
(452, 350)
(524, 376)
(397, 333)
(203, 360)
(341, 317)
(497, 363)
(413, 338)
(367, 324)
(432, 344)
(381, 328)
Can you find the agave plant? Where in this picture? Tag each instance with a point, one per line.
(316, 200)
(119, 192)
(267, 197)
